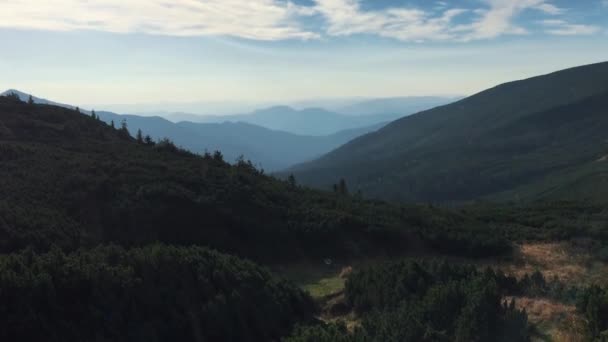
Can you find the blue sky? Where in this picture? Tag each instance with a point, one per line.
(148, 51)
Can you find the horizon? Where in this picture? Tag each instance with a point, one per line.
(286, 52)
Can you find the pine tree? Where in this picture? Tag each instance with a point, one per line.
(342, 188)
(292, 181)
(93, 115)
(124, 130)
(77, 110)
(30, 100)
(139, 136)
(13, 96)
(112, 124)
(218, 156)
(148, 140)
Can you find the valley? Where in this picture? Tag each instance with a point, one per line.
(495, 231)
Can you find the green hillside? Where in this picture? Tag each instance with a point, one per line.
(106, 237)
(72, 181)
(535, 138)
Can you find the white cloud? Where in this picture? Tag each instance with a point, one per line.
(550, 9)
(496, 18)
(345, 17)
(260, 19)
(564, 28)
(282, 19)
(499, 18)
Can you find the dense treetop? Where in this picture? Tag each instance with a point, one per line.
(156, 293)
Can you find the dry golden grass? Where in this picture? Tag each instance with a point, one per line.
(569, 264)
(558, 321)
(543, 310)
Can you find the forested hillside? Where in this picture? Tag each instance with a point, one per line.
(530, 139)
(104, 236)
(73, 181)
(268, 149)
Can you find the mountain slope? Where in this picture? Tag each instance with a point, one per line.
(270, 149)
(72, 181)
(25, 97)
(273, 150)
(159, 128)
(489, 143)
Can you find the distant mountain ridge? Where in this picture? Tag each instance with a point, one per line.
(396, 105)
(272, 150)
(501, 143)
(320, 121)
(309, 121)
(269, 149)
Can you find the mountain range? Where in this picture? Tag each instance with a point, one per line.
(223, 110)
(320, 121)
(542, 137)
(98, 228)
(269, 149)
(308, 121)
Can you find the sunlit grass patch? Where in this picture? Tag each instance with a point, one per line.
(552, 320)
(561, 260)
(325, 287)
(318, 279)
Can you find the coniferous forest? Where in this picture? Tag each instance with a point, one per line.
(112, 235)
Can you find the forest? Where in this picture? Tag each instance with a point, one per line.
(107, 235)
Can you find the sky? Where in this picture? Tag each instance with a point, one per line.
(106, 52)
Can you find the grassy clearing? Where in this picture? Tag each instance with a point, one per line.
(325, 287)
(574, 265)
(570, 264)
(319, 279)
(323, 280)
(553, 321)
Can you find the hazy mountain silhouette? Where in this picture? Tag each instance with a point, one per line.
(320, 121)
(269, 149)
(310, 121)
(396, 105)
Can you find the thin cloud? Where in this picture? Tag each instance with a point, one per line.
(283, 19)
(550, 9)
(496, 18)
(259, 20)
(499, 18)
(345, 17)
(564, 28)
